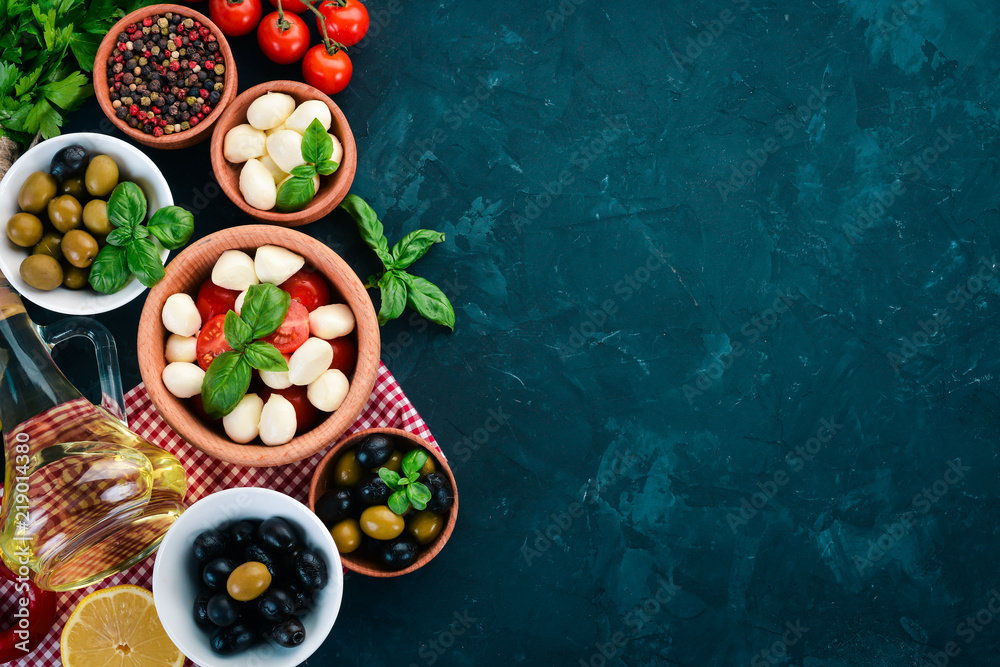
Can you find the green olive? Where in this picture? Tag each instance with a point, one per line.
(79, 248)
(381, 523)
(42, 272)
(95, 217)
(428, 466)
(36, 191)
(425, 525)
(65, 213)
(51, 245)
(395, 462)
(102, 176)
(346, 535)
(75, 187)
(25, 229)
(347, 472)
(248, 581)
(75, 277)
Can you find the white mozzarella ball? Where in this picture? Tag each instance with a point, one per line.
(275, 129)
(243, 423)
(328, 391)
(306, 113)
(234, 270)
(242, 143)
(180, 316)
(276, 379)
(333, 321)
(183, 380)
(285, 148)
(240, 298)
(274, 264)
(309, 361)
(270, 110)
(275, 170)
(257, 185)
(338, 150)
(182, 348)
(277, 421)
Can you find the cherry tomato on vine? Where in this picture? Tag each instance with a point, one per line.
(283, 42)
(330, 72)
(293, 6)
(346, 20)
(235, 17)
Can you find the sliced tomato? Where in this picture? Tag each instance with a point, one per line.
(214, 300)
(345, 354)
(212, 341)
(306, 413)
(308, 287)
(293, 331)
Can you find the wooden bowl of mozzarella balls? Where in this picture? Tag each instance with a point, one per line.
(284, 153)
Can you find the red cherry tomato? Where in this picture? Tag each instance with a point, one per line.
(291, 6)
(347, 24)
(305, 412)
(235, 17)
(309, 288)
(283, 42)
(212, 341)
(214, 300)
(292, 333)
(329, 72)
(345, 355)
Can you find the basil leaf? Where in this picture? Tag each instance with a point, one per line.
(418, 495)
(427, 299)
(127, 205)
(390, 478)
(413, 246)
(413, 462)
(138, 231)
(109, 272)
(327, 167)
(225, 384)
(264, 309)
(144, 261)
(393, 296)
(172, 225)
(120, 236)
(238, 333)
(399, 503)
(304, 171)
(369, 227)
(413, 476)
(294, 194)
(265, 357)
(317, 146)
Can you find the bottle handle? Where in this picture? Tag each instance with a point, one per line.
(112, 396)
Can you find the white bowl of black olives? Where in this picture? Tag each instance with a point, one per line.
(248, 577)
(53, 209)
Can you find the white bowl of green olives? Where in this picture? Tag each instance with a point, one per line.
(73, 194)
(214, 604)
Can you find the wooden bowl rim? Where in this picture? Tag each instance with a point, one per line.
(426, 556)
(180, 139)
(152, 337)
(227, 173)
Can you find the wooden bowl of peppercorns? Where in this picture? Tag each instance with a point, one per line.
(163, 75)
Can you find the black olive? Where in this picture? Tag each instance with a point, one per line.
(242, 533)
(201, 610)
(334, 505)
(216, 573)
(222, 610)
(277, 534)
(70, 162)
(289, 633)
(257, 554)
(373, 452)
(441, 496)
(236, 638)
(310, 570)
(302, 599)
(275, 604)
(210, 544)
(372, 491)
(399, 553)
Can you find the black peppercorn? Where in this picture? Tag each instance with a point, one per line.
(185, 116)
(155, 85)
(130, 64)
(128, 78)
(214, 97)
(133, 122)
(122, 113)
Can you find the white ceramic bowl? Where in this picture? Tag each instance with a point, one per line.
(133, 166)
(175, 576)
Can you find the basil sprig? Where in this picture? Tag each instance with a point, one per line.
(317, 149)
(400, 288)
(228, 377)
(406, 489)
(130, 250)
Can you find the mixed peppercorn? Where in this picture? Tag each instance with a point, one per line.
(166, 74)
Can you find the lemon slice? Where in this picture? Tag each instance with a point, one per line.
(117, 627)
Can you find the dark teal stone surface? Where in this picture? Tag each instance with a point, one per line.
(723, 385)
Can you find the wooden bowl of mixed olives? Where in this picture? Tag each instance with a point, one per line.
(389, 499)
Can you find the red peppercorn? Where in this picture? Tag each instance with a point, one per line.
(205, 109)
(141, 115)
(119, 58)
(197, 24)
(193, 35)
(179, 42)
(194, 121)
(210, 38)
(134, 109)
(192, 64)
(155, 110)
(121, 46)
(174, 65)
(157, 131)
(148, 21)
(204, 93)
(147, 53)
(205, 32)
(118, 77)
(209, 64)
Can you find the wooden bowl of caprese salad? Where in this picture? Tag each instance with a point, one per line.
(260, 346)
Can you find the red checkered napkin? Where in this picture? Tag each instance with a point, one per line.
(387, 407)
